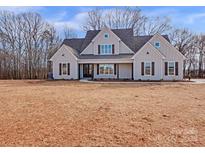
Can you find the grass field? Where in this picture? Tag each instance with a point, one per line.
(70, 113)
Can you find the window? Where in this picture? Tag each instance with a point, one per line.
(106, 68)
(171, 68)
(157, 44)
(64, 69)
(106, 35)
(147, 68)
(106, 49)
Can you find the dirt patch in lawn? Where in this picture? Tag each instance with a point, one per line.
(70, 113)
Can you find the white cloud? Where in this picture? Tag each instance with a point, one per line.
(195, 17)
(60, 16)
(160, 12)
(76, 22)
(20, 9)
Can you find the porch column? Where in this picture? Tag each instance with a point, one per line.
(92, 71)
(118, 71)
(79, 71)
(132, 72)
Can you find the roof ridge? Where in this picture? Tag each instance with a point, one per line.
(73, 38)
(149, 35)
(113, 29)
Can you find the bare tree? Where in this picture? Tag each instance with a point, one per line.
(127, 17)
(153, 25)
(181, 39)
(25, 42)
(201, 49)
(94, 20)
(185, 42)
(69, 32)
(192, 58)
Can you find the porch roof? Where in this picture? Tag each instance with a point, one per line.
(120, 56)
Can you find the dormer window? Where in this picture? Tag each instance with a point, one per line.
(106, 35)
(157, 44)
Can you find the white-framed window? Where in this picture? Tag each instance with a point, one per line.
(106, 35)
(64, 69)
(106, 49)
(147, 68)
(157, 44)
(171, 68)
(106, 68)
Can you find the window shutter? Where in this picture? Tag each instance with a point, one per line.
(142, 68)
(60, 69)
(113, 48)
(166, 68)
(115, 69)
(97, 69)
(176, 68)
(98, 49)
(152, 68)
(68, 65)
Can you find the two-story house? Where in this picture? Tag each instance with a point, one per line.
(118, 54)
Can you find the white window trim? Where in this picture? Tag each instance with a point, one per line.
(62, 73)
(168, 68)
(66, 74)
(106, 74)
(145, 68)
(104, 49)
(157, 46)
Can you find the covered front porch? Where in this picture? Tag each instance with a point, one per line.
(106, 71)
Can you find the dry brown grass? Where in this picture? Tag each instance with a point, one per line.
(65, 113)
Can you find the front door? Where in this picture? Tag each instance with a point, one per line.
(87, 70)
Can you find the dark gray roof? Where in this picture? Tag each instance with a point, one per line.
(126, 36)
(88, 38)
(120, 56)
(74, 43)
(139, 41)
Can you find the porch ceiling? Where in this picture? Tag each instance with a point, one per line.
(122, 58)
(98, 61)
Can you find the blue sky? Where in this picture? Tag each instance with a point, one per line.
(181, 17)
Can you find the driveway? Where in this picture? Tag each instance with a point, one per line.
(198, 81)
(193, 81)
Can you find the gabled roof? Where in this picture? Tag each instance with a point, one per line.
(126, 36)
(74, 43)
(140, 41)
(88, 38)
(148, 44)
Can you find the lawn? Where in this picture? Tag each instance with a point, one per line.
(70, 113)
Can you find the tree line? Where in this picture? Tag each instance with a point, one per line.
(27, 40)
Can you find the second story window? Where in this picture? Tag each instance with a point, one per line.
(105, 49)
